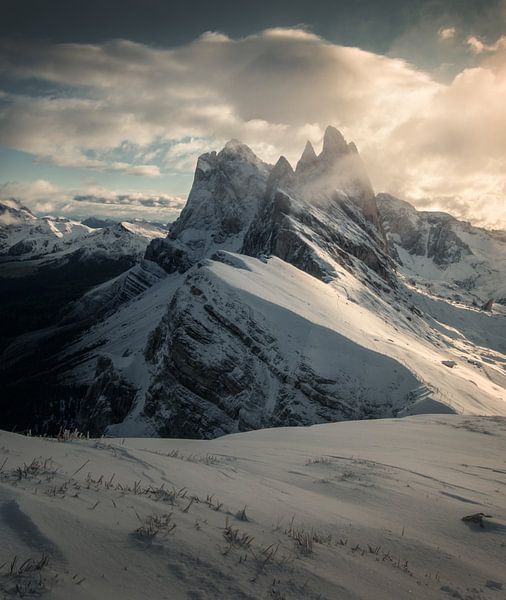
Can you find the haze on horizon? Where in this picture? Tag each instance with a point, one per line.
(104, 108)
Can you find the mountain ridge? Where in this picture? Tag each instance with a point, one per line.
(277, 298)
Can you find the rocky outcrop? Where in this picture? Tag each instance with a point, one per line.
(489, 305)
(316, 215)
(225, 195)
(324, 211)
(108, 399)
(421, 233)
(451, 258)
(223, 365)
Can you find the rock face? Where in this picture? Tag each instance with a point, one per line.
(108, 399)
(452, 256)
(323, 211)
(106, 298)
(223, 364)
(225, 195)
(430, 235)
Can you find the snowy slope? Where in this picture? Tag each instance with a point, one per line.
(23, 236)
(242, 343)
(354, 510)
(444, 255)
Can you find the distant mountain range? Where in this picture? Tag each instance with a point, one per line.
(280, 296)
(46, 262)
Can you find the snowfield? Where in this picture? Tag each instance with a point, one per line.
(369, 509)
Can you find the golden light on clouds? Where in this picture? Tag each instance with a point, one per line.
(439, 145)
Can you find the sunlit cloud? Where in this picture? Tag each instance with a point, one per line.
(447, 33)
(478, 46)
(135, 109)
(44, 198)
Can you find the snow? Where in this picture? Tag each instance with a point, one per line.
(373, 326)
(354, 510)
(344, 332)
(478, 273)
(23, 236)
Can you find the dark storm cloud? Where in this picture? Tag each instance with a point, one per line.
(369, 24)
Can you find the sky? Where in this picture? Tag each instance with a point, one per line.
(105, 106)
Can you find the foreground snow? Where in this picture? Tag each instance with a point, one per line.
(367, 509)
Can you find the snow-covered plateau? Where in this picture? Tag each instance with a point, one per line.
(352, 510)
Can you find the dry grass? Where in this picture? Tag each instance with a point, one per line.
(156, 525)
(25, 579)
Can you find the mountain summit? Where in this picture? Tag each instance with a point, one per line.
(237, 203)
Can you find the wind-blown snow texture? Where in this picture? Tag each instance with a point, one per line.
(355, 510)
(279, 298)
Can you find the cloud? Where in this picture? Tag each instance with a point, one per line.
(128, 107)
(135, 200)
(447, 33)
(477, 46)
(43, 197)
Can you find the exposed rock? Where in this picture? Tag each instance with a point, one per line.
(224, 198)
(308, 159)
(457, 257)
(222, 365)
(108, 399)
(488, 306)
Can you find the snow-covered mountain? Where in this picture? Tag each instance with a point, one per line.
(47, 262)
(24, 236)
(444, 255)
(276, 299)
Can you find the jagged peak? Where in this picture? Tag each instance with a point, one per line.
(282, 167)
(237, 147)
(308, 157)
(281, 172)
(233, 144)
(309, 153)
(334, 143)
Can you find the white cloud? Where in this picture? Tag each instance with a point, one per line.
(447, 33)
(420, 138)
(479, 47)
(43, 197)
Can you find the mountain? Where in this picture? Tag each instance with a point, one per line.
(97, 223)
(23, 236)
(447, 257)
(46, 262)
(227, 189)
(277, 298)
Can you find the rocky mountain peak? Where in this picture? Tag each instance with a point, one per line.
(236, 150)
(308, 158)
(281, 173)
(334, 144)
